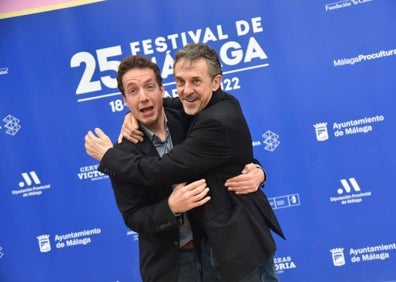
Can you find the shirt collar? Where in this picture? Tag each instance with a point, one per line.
(151, 134)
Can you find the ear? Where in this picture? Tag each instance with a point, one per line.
(216, 82)
(162, 91)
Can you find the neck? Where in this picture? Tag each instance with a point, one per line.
(159, 128)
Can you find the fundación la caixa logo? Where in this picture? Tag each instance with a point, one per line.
(335, 5)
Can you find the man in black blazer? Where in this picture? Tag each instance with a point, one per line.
(166, 249)
(148, 212)
(153, 213)
(218, 144)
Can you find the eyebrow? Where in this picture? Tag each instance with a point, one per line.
(193, 77)
(144, 82)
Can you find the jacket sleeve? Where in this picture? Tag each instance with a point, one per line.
(205, 148)
(139, 216)
(173, 103)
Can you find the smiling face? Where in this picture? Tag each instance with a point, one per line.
(194, 84)
(143, 96)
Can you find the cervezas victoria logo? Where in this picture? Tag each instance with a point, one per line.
(90, 172)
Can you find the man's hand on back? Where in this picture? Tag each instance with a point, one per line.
(97, 145)
(186, 197)
(130, 130)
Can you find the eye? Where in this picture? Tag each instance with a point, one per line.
(132, 91)
(179, 82)
(196, 81)
(151, 87)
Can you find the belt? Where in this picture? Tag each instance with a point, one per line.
(190, 245)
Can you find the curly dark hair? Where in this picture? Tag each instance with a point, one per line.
(136, 62)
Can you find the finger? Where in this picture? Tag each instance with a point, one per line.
(200, 195)
(137, 134)
(238, 178)
(135, 124)
(198, 182)
(125, 132)
(128, 121)
(204, 192)
(244, 192)
(180, 185)
(198, 190)
(131, 139)
(237, 182)
(86, 137)
(134, 136)
(201, 202)
(90, 138)
(119, 140)
(127, 118)
(86, 143)
(239, 188)
(99, 132)
(193, 185)
(231, 183)
(241, 192)
(90, 134)
(248, 167)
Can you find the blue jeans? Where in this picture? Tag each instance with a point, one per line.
(263, 273)
(209, 264)
(189, 266)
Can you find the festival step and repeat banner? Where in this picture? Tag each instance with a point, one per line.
(316, 81)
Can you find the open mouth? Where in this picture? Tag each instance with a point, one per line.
(146, 109)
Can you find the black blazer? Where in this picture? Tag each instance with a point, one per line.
(147, 212)
(217, 146)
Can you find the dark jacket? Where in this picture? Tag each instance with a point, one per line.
(147, 212)
(217, 146)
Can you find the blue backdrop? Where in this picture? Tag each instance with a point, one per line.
(316, 80)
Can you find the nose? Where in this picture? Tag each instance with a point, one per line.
(143, 95)
(188, 88)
